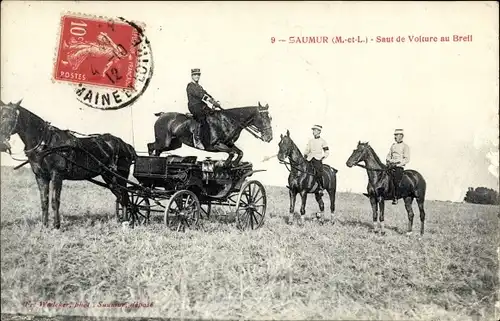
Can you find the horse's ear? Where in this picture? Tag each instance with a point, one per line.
(259, 104)
(267, 106)
(359, 142)
(281, 136)
(288, 133)
(19, 102)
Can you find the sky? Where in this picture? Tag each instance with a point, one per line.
(444, 95)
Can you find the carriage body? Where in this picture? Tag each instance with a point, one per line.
(191, 187)
(209, 179)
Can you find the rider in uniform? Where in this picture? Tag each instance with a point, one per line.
(398, 157)
(317, 150)
(197, 105)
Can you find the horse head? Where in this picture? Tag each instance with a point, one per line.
(359, 154)
(263, 122)
(285, 146)
(9, 114)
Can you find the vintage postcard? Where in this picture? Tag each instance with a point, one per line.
(249, 160)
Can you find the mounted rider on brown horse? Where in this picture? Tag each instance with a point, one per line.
(197, 105)
(209, 129)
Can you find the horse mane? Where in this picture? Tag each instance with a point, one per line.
(296, 147)
(377, 159)
(239, 114)
(32, 115)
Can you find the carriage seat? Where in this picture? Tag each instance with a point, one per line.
(176, 159)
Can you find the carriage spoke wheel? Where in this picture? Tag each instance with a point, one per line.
(251, 206)
(182, 211)
(139, 209)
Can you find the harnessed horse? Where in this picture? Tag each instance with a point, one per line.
(302, 179)
(56, 155)
(380, 186)
(225, 126)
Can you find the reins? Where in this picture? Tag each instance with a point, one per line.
(373, 169)
(294, 167)
(253, 130)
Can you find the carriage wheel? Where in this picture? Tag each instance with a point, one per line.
(140, 209)
(251, 206)
(183, 210)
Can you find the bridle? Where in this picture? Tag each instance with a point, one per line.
(39, 144)
(252, 129)
(292, 166)
(13, 127)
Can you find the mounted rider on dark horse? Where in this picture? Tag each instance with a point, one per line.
(197, 105)
(209, 129)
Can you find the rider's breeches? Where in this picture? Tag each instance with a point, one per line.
(318, 167)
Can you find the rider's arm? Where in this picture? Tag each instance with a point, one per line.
(326, 150)
(196, 91)
(388, 159)
(406, 155)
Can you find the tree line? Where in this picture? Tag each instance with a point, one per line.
(482, 195)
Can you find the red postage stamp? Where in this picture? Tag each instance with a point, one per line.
(96, 51)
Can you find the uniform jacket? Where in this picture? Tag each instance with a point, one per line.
(195, 93)
(316, 148)
(399, 153)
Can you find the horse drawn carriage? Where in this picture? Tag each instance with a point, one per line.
(190, 188)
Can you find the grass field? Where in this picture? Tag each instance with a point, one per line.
(277, 272)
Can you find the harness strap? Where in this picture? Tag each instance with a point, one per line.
(295, 167)
(373, 169)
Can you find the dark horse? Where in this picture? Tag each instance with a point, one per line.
(225, 126)
(78, 162)
(301, 179)
(380, 186)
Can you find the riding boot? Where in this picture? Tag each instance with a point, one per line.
(395, 195)
(196, 136)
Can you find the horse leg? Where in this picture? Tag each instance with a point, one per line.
(293, 198)
(408, 201)
(56, 183)
(226, 149)
(321, 204)
(239, 152)
(303, 196)
(151, 148)
(381, 206)
(43, 187)
(331, 194)
(373, 202)
(420, 203)
(121, 196)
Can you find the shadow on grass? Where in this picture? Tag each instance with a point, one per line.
(30, 222)
(369, 225)
(66, 220)
(89, 219)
